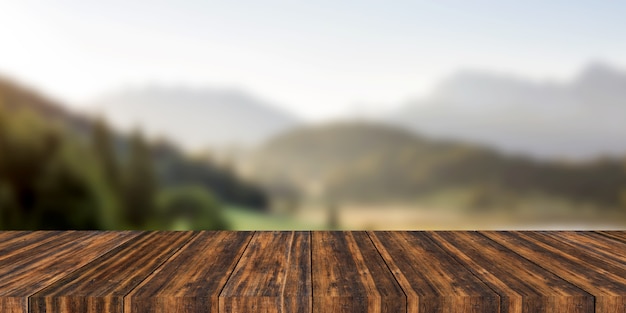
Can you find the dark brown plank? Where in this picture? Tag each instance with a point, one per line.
(273, 275)
(349, 275)
(9, 239)
(588, 273)
(101, 285)
(593, 244)
(192, 279)
(11, 234)
(585, 254)
(522, 285)
(29, 270)
(615, 235)
(432, 279)
(15, 242)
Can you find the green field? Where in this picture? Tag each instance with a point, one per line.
(243, 219)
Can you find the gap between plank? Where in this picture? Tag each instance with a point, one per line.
(219, 295)
(28, 299)
(311, 270)
(406, 301)
(282, 289)
(176, 252)
(461, 263)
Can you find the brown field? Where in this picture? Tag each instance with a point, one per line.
(405, 217)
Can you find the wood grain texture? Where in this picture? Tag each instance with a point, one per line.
(351, 276)
(12, 240)
(593, 244)
(615, 235)
(588, 255)
(522, 285)
(13, 249)
(586, 272)
(37, 265)
(192, 279)
(101, 285)
(114, 272)
(432, 279)
(273, 275)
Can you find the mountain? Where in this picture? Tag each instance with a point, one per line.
(196, 118)
(314, 153)
(362, 161)
(580, 119)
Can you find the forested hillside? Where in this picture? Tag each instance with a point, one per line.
(369, 162)
(59, 170)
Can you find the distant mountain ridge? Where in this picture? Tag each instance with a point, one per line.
(577, 120)
(196, 118)
(364, 161)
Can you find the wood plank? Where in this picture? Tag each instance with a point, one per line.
(609, 289)
(351, 276)
(522, 285)
(27, 272)
(615, 235)
(9, 239)
(192, 279)
(13, 243)
(45, 243)
(273, 275)
(432, 279)
(101, 285)
(73, 271)
(593, 244)
(585, 254)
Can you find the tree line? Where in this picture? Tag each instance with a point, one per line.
(55, 177)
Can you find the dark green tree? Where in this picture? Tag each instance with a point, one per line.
(105, 154)
(140, 184)
(104, 149)
(47, 179)
(67, 197)
(9, 211)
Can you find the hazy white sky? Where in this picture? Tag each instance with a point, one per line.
(316, 59)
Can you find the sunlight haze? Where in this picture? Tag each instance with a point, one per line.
(316, 60)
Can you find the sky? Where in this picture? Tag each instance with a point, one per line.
(316, 59)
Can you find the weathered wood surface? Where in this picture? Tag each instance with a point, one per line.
(432, 279)
(191, 280)
(101, 286)
(350, 271)
(605, 281)
(273, 275)
(349, 275)
(45, 257)
(523, 286)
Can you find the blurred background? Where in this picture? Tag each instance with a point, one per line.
(312, 115)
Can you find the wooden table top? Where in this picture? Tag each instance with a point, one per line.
(351, 271)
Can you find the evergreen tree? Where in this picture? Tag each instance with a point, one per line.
(103, 145)
(140, 184)
(67, 196)
(46, 177)
(8, 208)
